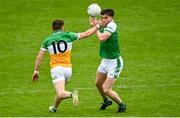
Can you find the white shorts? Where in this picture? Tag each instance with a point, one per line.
(111, 67)
(61, 73)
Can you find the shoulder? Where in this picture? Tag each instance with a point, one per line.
(45, 43)
(46, 39)
(112, 24)
(72, 35)
(111, 27)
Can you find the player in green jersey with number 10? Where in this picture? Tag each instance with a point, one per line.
(112, 63)
(59, 45)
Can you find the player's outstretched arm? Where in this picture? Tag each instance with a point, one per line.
(89, 32)
(38, 61)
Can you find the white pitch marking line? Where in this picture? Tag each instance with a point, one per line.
(85, 88)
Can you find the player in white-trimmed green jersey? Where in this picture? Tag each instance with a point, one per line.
(59, 45)
(112, 63)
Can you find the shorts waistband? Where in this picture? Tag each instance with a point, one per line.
(112, 59)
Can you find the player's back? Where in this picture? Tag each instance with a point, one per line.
(59, 45)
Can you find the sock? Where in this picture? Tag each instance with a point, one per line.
(71, 95)
(121, 104)
(54, 108)
(105, 100)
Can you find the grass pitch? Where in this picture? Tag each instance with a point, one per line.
(150, 46)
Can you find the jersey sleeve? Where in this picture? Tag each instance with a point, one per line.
(44, 45)
(73, 36)
(111, 27)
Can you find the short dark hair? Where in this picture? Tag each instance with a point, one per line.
(57, 24)
(109, 12)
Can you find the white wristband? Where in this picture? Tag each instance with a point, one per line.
(97, 26)
(36, 72)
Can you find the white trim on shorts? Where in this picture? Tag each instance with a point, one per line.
(111, 72)
(61, 73)
(58, 79)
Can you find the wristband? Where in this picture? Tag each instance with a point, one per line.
(36, 72)
(97, 26)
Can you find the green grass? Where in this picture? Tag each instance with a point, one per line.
(150, 46)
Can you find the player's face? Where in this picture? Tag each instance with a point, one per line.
(105, 19)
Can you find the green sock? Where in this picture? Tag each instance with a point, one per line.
(105, 100)
(121, 104)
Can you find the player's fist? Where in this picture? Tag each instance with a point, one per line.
(35, 76)
(92, 21)
(100, 22)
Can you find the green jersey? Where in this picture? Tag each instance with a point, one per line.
(59, 46)
(109, 49)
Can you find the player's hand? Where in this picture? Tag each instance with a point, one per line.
(100, 22)
(92, 21)
(35, 76)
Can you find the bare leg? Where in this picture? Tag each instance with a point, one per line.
(107, 87)
(100, 79)
(61, 93)
(56, 101)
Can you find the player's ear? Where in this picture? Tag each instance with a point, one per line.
(62, 28)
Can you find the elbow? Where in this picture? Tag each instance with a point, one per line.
(102, 38)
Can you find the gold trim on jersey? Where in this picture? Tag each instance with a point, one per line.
(62, 59)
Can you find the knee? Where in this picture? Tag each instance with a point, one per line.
(106, 91)
(60, 95)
